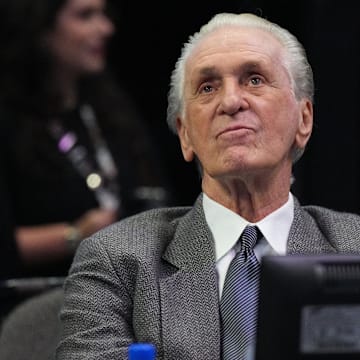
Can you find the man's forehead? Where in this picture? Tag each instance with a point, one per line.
(250, 43)
(238, 36)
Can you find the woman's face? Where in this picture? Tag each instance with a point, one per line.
(79, 36)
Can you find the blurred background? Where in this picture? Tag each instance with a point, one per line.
(143, 56)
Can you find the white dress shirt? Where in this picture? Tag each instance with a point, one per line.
(227, 226)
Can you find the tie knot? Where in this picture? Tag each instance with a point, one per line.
(249, 238)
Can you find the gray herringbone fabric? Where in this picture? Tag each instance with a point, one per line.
(239, 299)
(152, 278)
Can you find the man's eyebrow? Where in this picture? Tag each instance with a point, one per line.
(204, 74)
(208, 71)
(250, 66)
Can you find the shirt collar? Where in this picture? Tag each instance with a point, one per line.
(226, 226)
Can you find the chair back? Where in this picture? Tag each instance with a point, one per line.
(31, 331)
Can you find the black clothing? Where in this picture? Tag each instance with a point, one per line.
(41, 186)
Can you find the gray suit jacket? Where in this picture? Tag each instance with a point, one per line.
(152, 278)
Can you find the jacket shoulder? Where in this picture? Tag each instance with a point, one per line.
(150, 229)
(342, 229)
(332, 218)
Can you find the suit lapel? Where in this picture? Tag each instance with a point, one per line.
(189, 292)
(305, 236)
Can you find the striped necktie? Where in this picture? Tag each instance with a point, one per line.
(238, 306)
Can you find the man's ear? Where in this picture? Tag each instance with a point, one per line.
(185, 141)
(305, 124)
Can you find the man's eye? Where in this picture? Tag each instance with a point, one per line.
(206, 89)
(255, 81)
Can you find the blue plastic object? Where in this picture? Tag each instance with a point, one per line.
(141, 351)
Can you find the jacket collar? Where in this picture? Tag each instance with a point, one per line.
(189, 290)
(305, 236)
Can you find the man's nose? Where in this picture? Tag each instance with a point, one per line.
(233, 98)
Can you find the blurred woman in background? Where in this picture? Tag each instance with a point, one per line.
(75, 155)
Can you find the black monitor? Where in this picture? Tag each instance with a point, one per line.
(309, 308)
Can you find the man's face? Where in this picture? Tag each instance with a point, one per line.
(241, 114)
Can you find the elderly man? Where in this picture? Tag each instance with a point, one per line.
(241, 103)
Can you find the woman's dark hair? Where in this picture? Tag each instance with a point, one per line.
(25, 64)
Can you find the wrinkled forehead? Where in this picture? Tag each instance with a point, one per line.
(230, 39)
